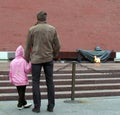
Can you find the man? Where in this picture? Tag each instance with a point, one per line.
(42, 46)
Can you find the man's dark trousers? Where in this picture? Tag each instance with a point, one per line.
(36, 73)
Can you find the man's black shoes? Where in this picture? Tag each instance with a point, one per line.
(50, 109)
(36, 110)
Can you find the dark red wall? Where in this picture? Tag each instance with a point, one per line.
(82, 24)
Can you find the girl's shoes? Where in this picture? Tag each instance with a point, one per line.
(20, 108)
(28, 105)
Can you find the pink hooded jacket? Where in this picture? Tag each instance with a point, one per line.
(19, 68)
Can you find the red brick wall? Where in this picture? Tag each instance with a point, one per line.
(81, 24)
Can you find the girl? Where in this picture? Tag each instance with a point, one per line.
(19, 69)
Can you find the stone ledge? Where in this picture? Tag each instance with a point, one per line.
(7, 55)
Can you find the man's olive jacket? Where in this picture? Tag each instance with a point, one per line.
(42, 44)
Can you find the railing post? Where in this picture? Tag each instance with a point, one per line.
(73, 80)
(73, 85)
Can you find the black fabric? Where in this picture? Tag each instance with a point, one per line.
(36, 74)
(21, 92)
(104, 55)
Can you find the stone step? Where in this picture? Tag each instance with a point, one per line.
(77, 75)
(68, 81)
(87, 84)
(65, 94)
(59, 88)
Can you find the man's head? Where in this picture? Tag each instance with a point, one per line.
(41, 16)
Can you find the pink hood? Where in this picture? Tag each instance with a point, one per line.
(19, 52)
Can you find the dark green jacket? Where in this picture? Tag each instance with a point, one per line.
(42, 43)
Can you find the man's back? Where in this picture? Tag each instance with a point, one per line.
(45, 42)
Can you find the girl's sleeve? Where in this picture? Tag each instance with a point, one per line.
(28, 67)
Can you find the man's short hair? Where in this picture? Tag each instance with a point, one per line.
(41, 16)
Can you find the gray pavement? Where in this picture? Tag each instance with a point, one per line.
(83, 106)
